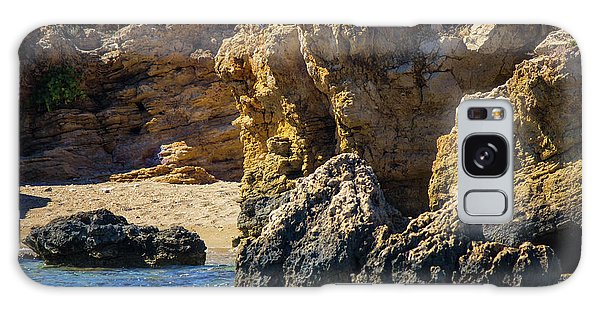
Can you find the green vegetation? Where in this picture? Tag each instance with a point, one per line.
(59, 87)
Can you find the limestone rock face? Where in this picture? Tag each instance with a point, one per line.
(541, 243)
(286, 126)
(323, 232)
(145, 86)
(494, 263)
(546, 92)
(384, 93)
(546, 97)
(101, 239)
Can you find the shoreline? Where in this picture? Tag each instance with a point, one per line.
(210, 210)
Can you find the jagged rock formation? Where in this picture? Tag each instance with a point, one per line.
(435, 247)
(324, 230)
(384, 93)
(312, 100)
(336, 226)
(425, 252)
(101, 239)
(146, 86)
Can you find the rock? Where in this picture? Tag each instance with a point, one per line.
(434, 247)
(255, 213)
(168, 173)
(427, 251)
(28, 254)
(177, 162)
(286, 127)
(546, 97)
(384, 93)
(145, 86)
(319, 233)
(546, 92)
(547, 210)
(497, 264)
(106, 190)
(101, 239)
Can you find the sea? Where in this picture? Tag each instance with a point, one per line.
(207, 275)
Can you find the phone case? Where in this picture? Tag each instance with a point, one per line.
(290, 155)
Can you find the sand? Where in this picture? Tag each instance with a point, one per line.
(209, 210)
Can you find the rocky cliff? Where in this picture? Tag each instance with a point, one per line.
(347, 136)
(144, 87)
(388, 96)
(306, 93)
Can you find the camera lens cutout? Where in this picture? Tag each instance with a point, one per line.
(485, 155)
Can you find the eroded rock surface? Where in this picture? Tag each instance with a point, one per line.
(384, 93)
(425, 252)
(308, 102)
(323, 232)
(494, 263)
(435, 247)
(546, 96)
(101, 239)
(178, 164)
(145, 86)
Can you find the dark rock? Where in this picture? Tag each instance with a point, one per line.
(427, 251)
(322, 234)
(254, 214)
(101, 239)
(494, 263)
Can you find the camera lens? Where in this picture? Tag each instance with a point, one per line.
(485, 155)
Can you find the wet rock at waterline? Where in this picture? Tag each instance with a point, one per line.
(101, 239)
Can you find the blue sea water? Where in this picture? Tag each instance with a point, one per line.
(207, 275)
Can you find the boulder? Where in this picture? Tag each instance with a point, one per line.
(101, 239)
(322, 232)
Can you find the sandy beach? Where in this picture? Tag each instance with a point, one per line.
(209, 210)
